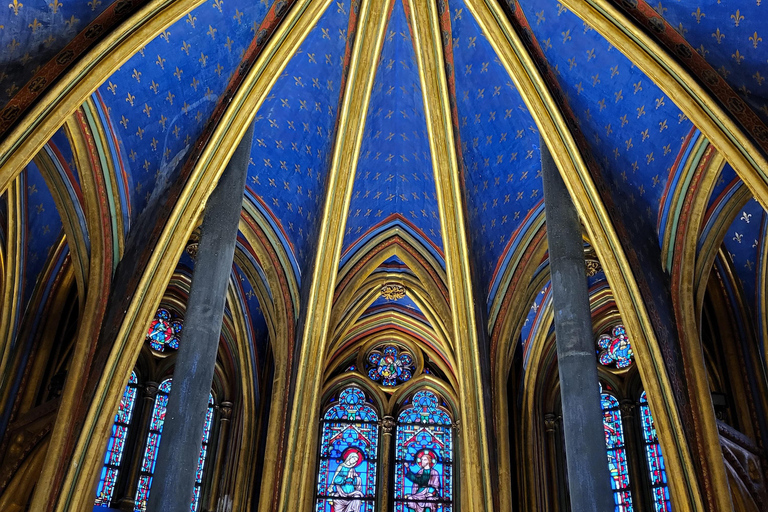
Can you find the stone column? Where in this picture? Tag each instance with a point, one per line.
(387, 429)
(225, 414)
(143, 413)
(587, 460)
(638, 470)
(174, 477)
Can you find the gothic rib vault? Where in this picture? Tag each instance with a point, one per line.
(396, 141)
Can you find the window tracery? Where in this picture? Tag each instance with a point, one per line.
(116, 444)
(164, 332)
(656, 469)
(615, 350)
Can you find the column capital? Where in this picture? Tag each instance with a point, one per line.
(225, 409)
(149, 390)
(627, 407)
(387, 425)
(549, 422)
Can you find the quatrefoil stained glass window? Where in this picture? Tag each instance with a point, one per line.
(615, 349)
(164, 332)
(390, 365)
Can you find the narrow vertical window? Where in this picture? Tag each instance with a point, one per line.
(116, 444)
(656, 469)
(153, 442)
(203, 454)
(424, 456)
(617, 454)
(349, 443)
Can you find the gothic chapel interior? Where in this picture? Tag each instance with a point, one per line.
(383, 255)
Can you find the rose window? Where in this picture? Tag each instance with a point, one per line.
(390, 365)
(615, 349)
(164, 331)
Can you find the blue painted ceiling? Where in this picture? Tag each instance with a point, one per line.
(499, 146)
(729, 35)
(294, 134)
(634, 130)
(743, 242)
(159, 101)
(33, 31)
(394, 172)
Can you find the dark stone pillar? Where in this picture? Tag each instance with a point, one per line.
(174, 477)
(588, 477)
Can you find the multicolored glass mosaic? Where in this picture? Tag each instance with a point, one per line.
(424, 456)
(656, 469)
(164, 331)
(349, 443)
(617, 454)
(615, 349)
(153, 442)
(116, 444)
(390, 365)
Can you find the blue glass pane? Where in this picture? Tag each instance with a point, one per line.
(656, 470)
(617, 455)
(116, 444)
(349, 442)
(424, 456)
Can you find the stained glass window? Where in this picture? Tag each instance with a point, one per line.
(203, 454)
(617, 454)
(390, 365)
(153, 442)
(116, 444)
(424, 456)
(615, 349)
(164, 331)
(349, 444)
(656, 469)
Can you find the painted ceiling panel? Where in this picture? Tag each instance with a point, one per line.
(403, 305)
(159, 101)
(43, 226)
(499, 143)
(394, 173)
(726, 180)
(294, 133)
(257, 326)
(743, 242)
(60, 143)
(729, 35)
(33, 31)
(635, 131)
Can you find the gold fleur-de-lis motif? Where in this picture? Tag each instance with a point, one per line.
(738, 57)
(203, 59)
(124, 122)
(640, 111)
(72, 21)
(746, 217)
(136, 75)
(566, 35)
(112, 87)
(759, 78)
(169, 97)
(238, 16)
(160, 62)
(737, 18)
(130, 98)
(659, 102)
(35, 25)
(140, 132)
(212, 32)
(668, 147)
(755, 39)
(93, 4)
(178, 73)
(718, 36)
(55, 6)
(191, 19)
(698, 15)
(195, 82)
(166, 35)
(147, 109)
(16, 5)
(217, 4)
(663, 126)
(737, 237)
(644, 134)
(185, 46)
(154, 85)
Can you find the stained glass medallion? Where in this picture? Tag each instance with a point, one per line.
(116, 444)
(424, 456)
(349, 443)
(390, 365)
(615, 349)
(164, 332)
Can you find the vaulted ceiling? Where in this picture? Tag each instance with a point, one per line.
(155, 112)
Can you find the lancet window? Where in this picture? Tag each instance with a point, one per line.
(113, 458)
(617, 454)
(656, 470)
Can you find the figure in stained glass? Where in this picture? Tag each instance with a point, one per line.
(654, 459)
(617, 455)
(348, 454)
(390, 365)
(163, 333)
(423, 456)
(615, 349)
